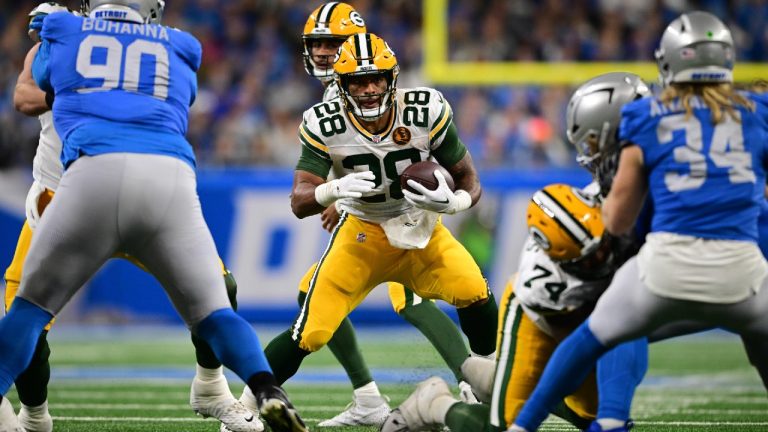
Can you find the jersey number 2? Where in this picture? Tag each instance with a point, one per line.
(116, 73)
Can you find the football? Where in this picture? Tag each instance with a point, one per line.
(424, 173)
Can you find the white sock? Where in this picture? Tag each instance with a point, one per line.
(439, 408)
(516, 428)
(610, 423)
(368, 395)
(491, 356)
(36, 411)
(205, 374)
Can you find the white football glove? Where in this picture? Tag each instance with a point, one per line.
(30, 206)
(440, 200)
(353, 185)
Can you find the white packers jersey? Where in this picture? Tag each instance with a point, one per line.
(331, 91)
(544, 289)
(46, 167)
(418, 127)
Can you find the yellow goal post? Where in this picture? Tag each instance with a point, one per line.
(439, 70)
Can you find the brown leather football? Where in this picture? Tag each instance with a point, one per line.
(424, 173)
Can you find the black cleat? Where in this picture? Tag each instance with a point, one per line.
(278, 412)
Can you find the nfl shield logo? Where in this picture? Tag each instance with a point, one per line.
(361, 237)
(376, 139)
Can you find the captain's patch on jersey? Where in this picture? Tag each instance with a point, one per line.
(401, 135)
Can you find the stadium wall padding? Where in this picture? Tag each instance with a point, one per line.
(268, 249)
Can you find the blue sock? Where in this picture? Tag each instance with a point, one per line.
(619, 372)
(570, 364)
(19, 331)
(235, 343)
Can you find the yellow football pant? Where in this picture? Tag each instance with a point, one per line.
(360, 257)
(399, 295)
(524, 351)
(14, 271)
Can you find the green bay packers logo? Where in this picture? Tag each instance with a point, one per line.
(401, 136)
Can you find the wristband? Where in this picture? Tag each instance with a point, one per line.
(463, 200)
(324, 193)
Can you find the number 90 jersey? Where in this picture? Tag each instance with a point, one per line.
(421, 127)
(119, 86)
(544, 289)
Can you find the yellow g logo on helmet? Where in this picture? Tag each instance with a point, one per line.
(565, 222)
(366, 54)
(332, 20)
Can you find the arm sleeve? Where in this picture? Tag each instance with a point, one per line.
(314, 153)
(309, 161)
(451, 150)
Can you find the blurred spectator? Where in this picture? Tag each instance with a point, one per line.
(253, 87)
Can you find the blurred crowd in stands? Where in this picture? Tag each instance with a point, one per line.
(253, 88)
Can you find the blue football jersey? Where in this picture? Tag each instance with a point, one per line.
(119, 86)
(705, 180)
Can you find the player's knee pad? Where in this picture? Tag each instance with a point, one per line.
(313, 341)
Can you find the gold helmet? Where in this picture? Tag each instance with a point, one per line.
(366, 55)
(567, 224)
(334, 21)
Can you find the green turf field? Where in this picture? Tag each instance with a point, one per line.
(107, 380)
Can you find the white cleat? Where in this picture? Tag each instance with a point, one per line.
(8, 420)
(418, 412)
(359, 412)
(213, 399)
(466, 394)
(36, 419)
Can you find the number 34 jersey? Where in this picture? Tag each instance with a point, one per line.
(420, 127)
(544, 289)
(119, 86)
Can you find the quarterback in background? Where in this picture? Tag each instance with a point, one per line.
(367, 137)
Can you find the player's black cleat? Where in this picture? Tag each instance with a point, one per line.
(277, 410)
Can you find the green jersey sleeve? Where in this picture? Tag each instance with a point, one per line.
(451, 149)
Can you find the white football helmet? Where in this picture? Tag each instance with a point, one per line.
(139, 11)
(695, 47)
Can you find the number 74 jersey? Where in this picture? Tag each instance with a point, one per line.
(543, 288)
(334, 139)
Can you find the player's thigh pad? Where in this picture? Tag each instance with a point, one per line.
(357, 259)
(444, 270)
(166, 232)
(628, 309)
(304, 282)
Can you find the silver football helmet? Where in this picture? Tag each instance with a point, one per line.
(594, 113)
(141, 11)
(695, 47)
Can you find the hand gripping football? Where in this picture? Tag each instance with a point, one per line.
(424, 174)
